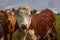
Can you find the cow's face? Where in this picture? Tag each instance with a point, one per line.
(24, 19)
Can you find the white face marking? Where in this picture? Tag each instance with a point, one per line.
(32, 34)
(24, 20)
(24, 17)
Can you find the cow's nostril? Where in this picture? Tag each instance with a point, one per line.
(23, 26)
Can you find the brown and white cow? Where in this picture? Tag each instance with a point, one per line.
(3, 20)
(9, 24)
(24, 18)
(33, 27)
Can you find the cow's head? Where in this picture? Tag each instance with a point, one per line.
(10, 11)
(25, 14)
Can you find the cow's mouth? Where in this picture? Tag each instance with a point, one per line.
(23, 27)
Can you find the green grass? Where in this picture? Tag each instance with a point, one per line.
(58, 25)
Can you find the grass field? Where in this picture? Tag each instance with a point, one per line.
(58, 25)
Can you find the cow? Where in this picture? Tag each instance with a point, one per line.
(3, 20)
(1, 28)
(10, 24)
(32, 26)
(24, 18)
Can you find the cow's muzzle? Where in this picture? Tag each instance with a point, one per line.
(23, 26)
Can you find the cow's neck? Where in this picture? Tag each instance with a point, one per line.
(22, 34)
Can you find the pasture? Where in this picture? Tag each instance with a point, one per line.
(58, 25)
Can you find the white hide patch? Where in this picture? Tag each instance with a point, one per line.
(13, 13)
(31, 32)
(33, 36)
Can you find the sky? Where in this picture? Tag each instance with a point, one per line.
(54, 5)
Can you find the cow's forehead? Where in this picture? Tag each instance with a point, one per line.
(25, 7)
(8, 10)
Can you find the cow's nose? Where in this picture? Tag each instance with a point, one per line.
(23, 26)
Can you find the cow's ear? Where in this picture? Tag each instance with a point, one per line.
(16, 11)
(13, 9)
(33, 12)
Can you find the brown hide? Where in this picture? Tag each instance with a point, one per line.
(3, 18)
(42, 22)
(11, 19)
(10, 25)
(52, 15)
(53, 22)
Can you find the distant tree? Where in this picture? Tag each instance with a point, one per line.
(58, 11)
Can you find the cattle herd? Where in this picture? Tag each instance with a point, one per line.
(24, 23)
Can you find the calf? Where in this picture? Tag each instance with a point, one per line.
(3, 18)
(10, 25)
